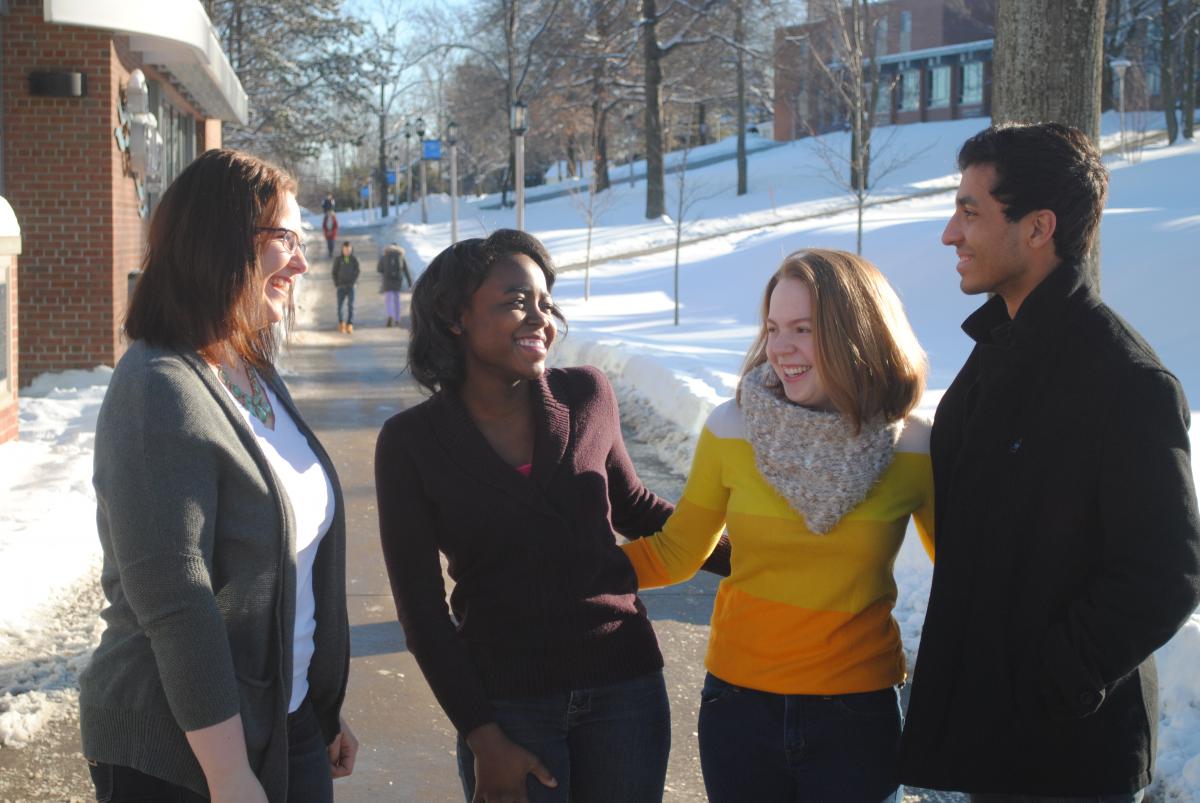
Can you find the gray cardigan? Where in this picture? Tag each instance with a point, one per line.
(199, 572)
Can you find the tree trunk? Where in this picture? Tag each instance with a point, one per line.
(1187, 92)
(600, 150)
(1166, 61)
(739, 38)
(572, 156)
(1046, 66)
(655, 189)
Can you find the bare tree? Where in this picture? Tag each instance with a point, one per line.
(591, 204)
(689, 16)
(686, 196)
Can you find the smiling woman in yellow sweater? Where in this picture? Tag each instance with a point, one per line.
(815, 468)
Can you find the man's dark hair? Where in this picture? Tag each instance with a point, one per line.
(443, 291)
(1045, 166)
(200, 286)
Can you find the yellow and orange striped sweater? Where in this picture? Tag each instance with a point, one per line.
(799, 613)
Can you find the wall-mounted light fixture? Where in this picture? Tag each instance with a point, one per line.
(57, 84)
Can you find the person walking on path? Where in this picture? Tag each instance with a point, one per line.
(816, 466)
(519, 475)
(394, 269)
(345, 275)
(223, 667)
(329, 225)
(1068, 539)
(327, 203)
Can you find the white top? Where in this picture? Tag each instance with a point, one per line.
(307, 488)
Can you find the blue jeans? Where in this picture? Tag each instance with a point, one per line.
(346, 295)
(772, 748)
(310, 777)
(1123, 797)
(602, 745)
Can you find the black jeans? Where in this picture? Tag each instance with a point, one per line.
(310, 778)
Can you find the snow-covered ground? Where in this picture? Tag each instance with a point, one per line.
(670, 377)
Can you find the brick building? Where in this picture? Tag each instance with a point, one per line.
(934, 59)
(81, 166)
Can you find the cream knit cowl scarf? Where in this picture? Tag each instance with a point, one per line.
(812, 458)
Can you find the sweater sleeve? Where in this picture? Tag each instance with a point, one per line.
(1147, 582)
(694, 531)
(157, 479)
(407, 529)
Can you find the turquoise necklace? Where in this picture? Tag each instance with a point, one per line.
(257, 402)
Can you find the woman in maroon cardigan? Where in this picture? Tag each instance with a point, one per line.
(546, 662)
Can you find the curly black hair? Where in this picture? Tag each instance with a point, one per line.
(444, 289)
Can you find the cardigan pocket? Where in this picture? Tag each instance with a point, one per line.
(256, 705)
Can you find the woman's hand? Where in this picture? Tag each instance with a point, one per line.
(501, 766)
(342, 751)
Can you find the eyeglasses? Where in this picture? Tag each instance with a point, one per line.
(290, 239)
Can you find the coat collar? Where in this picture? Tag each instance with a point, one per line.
(1041, 315)
(467, 447)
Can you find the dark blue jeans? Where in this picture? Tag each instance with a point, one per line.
(777, 748)
(1120, 797)
(345, 295)
(602, 745)
(310, 778)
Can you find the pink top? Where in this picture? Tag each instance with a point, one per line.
(526, 469)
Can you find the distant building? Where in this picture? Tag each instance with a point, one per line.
(934, 58)
(102, 103)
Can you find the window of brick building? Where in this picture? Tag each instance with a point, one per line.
(905, 31)
(5, 329)
(910, 90)
(883, 102)
(972, 83)
(178, 131)
(881, 32)
(939, 87)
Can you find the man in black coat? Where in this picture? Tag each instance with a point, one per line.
(1067, 534)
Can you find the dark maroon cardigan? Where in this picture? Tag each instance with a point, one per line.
(544, 600)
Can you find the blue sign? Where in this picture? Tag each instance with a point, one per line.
(431, 149)
(365, 192)
(391, 177)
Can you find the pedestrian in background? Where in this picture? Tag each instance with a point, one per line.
(327, 204)
(222, 668)
(329, 225)
(1068, 539)
(815, 467)
(518, 474)
(394, 269)
(345, 275)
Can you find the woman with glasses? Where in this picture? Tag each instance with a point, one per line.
(223, 666)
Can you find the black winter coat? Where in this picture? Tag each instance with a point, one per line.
(1068, 551)
(345, 270)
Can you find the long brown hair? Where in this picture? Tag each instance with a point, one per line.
(867, 356)
(200, 287)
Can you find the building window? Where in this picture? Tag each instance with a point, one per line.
(5, 328)
(905, 31)
(883, 102)
(972, 83)
(881, 32)
(910, 90)
(939, 87)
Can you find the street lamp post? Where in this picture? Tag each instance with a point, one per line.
(383, 191)
(1119, 67)
(408, 132)
(518, 124)
(452, 141)
(421, 139)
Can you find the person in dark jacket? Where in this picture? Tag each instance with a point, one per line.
(545, 660)
(345, 275)
(393, 267)
(1067, 534)
(329, 227)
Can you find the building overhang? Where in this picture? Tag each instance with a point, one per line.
(177, 36)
